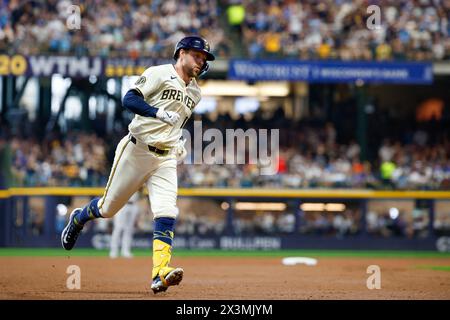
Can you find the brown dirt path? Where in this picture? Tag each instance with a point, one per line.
(224, 278)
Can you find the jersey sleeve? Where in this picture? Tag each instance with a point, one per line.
(148, 82)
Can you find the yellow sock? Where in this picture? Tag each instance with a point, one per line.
(162, 253)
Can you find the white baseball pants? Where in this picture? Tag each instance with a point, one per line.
(135, 165)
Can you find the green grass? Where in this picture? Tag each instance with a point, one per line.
(439, 268)
(81, 252)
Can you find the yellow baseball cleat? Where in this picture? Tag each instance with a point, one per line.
(167, 277)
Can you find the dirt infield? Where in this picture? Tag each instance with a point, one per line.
(225, 278)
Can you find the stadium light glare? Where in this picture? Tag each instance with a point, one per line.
(61, 209)
(225, 205)
(335, 207)
(111, 86)
(332, 207)
(312, 206)
(393, 213)
(265, 206)
(92, 79)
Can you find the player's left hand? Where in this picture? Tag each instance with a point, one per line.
(181, 151)
(168, 117)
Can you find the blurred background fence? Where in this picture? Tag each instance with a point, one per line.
(247, 219)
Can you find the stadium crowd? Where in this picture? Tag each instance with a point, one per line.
(77, 160)
(312, 159)
(339, 29)
(331, 29)
(130, 29)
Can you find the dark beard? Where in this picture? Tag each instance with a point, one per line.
(192, 74)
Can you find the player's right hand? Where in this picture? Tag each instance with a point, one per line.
(168, 117)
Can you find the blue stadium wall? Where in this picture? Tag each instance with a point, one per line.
(11, 236)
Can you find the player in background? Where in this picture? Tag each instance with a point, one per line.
(123, 228)
(163, 99)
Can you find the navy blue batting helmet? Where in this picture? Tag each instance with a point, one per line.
(195, 43)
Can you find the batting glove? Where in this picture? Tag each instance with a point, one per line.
(181, 151)
(168, 117)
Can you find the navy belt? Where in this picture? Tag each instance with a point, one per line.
(152, 148)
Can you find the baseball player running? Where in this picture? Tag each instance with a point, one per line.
(123, 228)
(162, 99)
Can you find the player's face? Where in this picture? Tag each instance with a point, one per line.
(193, 62)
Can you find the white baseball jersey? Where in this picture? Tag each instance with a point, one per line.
(162, 87)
